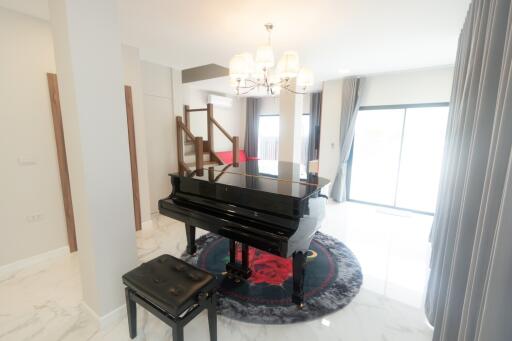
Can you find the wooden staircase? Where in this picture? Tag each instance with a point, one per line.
(193, 151)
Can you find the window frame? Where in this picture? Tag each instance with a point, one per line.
(350, 158)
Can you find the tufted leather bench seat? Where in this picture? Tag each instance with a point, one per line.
(174, 291)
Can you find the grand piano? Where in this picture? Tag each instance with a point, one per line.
(270, 205)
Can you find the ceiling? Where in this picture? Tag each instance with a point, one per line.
(334, 38)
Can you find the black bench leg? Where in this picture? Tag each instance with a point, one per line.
(191, 239)
(177, 333)
(299, 267)
(132, 314)
(212, 317)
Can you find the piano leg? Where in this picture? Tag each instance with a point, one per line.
(245, 257)
(236, 270)
(191, 239)
(299, 267)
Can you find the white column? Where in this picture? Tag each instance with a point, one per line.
(89, 68)
(133, 78)
(290, 111)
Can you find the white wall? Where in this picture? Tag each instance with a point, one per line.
(133, 78)
(160, 130)
(407, 87)
(270, 105)
(232, 119)
(26, 132)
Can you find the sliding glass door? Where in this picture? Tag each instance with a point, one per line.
(397, 154)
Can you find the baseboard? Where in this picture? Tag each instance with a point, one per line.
(107, 320)
(8, 269)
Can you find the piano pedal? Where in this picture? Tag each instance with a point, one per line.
(300, 306)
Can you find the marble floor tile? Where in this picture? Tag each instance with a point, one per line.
(43, 302)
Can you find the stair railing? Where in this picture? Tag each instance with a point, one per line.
(198, 146)
(208, 146)
(235, 141)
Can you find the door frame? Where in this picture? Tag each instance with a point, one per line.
(60, 143)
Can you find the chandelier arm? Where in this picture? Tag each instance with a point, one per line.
(293, 91)
(248, 87)
(287, 88)
(246, 92)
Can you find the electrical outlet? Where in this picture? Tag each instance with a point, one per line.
(34, 218)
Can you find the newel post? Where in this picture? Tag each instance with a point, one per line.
(199, 153)
(236, 151)
(179, 138)
(209, 119)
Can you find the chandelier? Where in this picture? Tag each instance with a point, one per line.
(248, 73)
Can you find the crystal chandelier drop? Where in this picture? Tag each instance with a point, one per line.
(248, 73)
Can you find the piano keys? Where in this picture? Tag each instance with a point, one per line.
(274, 206)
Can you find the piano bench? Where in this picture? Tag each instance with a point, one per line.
(172, 290)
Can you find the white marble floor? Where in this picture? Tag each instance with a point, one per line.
(43, 302)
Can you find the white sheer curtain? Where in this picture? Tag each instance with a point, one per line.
(468, 294)
(350, 99)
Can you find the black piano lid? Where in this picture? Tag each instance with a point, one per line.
(277, 177)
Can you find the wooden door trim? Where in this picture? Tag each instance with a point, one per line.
(58, 129)
(133, 156)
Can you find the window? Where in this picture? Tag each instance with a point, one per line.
(268, 137)
(397, 154)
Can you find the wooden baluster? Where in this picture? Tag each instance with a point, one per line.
(186, 114)
(209, 115)
(199, 155)
(179, 135)
(211, 174)
(236, 151)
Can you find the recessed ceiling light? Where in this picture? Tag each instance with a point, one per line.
(344, 70)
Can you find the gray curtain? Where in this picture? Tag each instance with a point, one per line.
(251, 127)
(314, 125)
(349, 107)
(468, 296)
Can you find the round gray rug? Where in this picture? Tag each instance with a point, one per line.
(333, 279)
